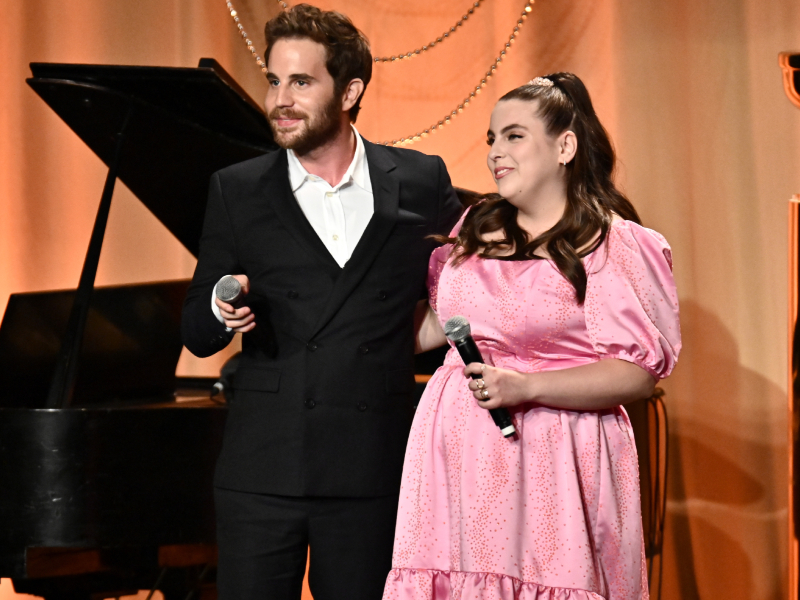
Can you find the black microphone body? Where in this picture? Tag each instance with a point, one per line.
(469, 352)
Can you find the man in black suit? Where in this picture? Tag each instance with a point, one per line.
(330, 238)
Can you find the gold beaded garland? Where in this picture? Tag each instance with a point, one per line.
(433, 43)
(403, 141)
(378, 59)
(235, 16)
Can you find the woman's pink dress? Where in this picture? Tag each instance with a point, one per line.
(553, 514)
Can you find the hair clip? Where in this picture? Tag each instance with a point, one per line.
(542, 81)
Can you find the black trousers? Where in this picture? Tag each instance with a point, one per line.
(264, 541)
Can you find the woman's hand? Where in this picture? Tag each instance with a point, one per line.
(498, 387)
(596, 386)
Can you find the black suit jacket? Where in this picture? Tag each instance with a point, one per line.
(323, 394)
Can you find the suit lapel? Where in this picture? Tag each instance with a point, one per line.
(386, 199)
(275, 180)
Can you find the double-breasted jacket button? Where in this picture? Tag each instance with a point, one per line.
(293, 295)
(312, 346)
(382, 295)
(310, 403)
(362, 406)
(364, 349)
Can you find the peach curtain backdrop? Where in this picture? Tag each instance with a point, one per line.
(709, 152)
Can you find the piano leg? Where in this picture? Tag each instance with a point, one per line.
(194, 583)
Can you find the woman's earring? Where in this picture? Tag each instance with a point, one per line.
(565, 162)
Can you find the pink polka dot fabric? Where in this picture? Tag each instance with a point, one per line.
(554, 514)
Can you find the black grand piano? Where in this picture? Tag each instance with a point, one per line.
(105, 464)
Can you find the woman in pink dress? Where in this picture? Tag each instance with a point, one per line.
(573, 304)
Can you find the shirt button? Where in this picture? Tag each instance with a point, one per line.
(335, 238)
(292, 294)
(329, 194)
(362, 406)
(382, 295)
(364, 349)
(312, 346)
(310, 403)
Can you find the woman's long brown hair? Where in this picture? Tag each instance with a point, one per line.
(592, 197)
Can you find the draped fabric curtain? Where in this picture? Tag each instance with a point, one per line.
(709, 151)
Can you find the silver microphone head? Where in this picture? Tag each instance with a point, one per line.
(457, 328)
(228, 289)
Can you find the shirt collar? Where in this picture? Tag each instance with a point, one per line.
(357, 172)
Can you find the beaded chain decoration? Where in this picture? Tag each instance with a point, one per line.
(237, 21)
(410, 139)
(433, 43)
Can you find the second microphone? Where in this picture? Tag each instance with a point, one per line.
(458, 331)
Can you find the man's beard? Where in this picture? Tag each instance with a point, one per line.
(318, 130)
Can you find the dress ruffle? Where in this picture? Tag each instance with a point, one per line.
(428, 584)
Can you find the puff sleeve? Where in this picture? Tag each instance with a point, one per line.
(631, 304)
(438, 260)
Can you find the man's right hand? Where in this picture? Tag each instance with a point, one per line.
(241, 319)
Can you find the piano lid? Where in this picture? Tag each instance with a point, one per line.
(185, 124)
(790, 63)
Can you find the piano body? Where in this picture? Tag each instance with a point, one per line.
(105, 475)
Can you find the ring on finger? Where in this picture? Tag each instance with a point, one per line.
(480, 383)
(485, 394)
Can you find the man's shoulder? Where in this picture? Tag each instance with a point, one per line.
(249, 169)
(403, 156)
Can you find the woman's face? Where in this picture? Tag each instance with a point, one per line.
(524, 160)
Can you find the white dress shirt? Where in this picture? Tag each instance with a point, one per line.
(339, 214)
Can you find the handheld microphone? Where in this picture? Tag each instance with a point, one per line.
(458, 331)
(229, 290)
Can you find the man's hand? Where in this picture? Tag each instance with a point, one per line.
(241, 319)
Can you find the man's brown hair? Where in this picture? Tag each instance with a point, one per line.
(346, 48)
